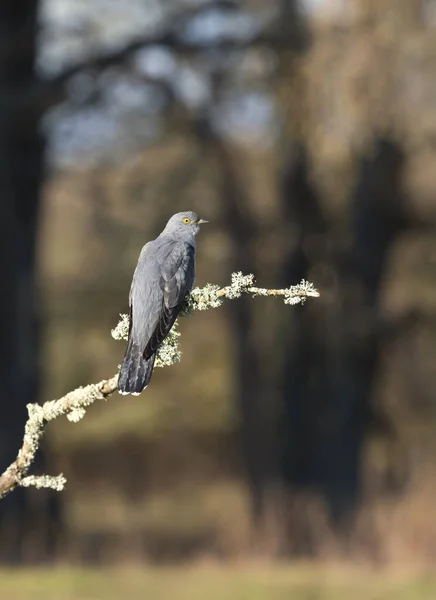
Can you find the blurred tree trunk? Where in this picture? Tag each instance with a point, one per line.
(252, 393)
(333, 352)
(21, 171)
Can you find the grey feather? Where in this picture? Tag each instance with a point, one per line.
(163, 277)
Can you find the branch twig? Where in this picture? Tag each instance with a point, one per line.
(75, 403)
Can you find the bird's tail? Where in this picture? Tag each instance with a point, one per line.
(135, 372)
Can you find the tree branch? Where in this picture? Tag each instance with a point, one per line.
(74, 404)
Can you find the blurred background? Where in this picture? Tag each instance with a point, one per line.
(305, 131)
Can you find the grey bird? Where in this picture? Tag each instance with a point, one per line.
(163, 277)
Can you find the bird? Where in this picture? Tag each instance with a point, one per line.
(164, 276)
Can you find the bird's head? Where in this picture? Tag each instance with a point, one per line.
(184, 225)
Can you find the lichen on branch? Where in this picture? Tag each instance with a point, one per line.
(74, 404)
(212, 296)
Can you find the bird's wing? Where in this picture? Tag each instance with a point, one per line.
(141, 259)
(177, 275)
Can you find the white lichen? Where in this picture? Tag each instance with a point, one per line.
(76, 414)
(54, 482)
(240, 285)
(202, 299)
(169, 352)
(121, 331)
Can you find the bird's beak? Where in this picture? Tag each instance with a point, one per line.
(201, 221)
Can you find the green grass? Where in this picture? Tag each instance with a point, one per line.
(207, 583)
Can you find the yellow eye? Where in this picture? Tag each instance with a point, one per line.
(186, 220)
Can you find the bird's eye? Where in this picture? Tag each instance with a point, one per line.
(186, 220)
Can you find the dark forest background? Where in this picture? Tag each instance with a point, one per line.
(306, 133)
